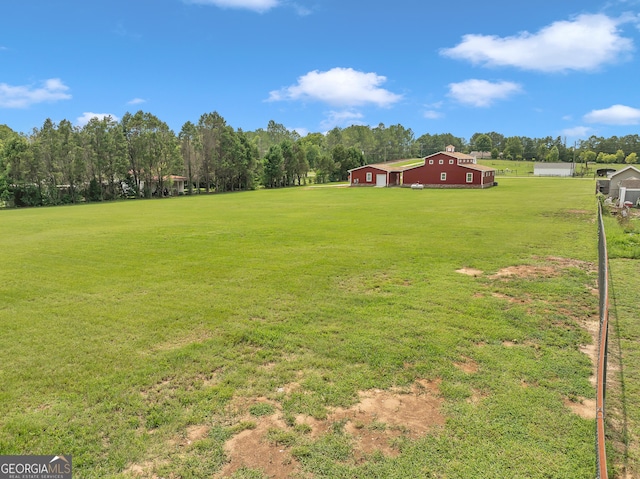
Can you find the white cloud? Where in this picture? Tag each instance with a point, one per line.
(614, 115)
(26, 95)
(577, 132)
(88, 115)
(255, 5)
(432, 114)
(339, 87)
(584, 43)
(341, 119)
(482, 93)
(136, 101)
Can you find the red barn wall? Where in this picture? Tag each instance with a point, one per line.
(429, 174)
(359, 177)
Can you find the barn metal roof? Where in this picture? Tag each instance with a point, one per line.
(477, 167)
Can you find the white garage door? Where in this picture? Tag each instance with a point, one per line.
(381, 180)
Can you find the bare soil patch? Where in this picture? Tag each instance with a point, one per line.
(554, 267)
(591, 350)
(251, 448)
(585, 408)
(526, 271)
(380, 417)
(144, 470)
(470, 272)
(468, 366)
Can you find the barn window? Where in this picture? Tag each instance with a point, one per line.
(443, 176)
(431, 162)
(451, 162)
(441, 162)
(469, 177)
(369, 176)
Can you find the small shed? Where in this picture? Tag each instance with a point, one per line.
(553, 169)
(629, 191)
(618, 177)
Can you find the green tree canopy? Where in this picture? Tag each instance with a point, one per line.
(483, 143)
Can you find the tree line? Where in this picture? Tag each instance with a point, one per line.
(138, 155)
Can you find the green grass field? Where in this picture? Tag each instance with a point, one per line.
(145, 337)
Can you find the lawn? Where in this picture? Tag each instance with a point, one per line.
(509, 167)
(300, 331)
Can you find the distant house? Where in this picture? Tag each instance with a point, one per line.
(172, 184)
(553, 169)
(480, 154)
(449, 169)
(623, 184)
(446, 169)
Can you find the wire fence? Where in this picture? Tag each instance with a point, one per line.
(603, 339)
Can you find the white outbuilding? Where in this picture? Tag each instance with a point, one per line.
(553, 169)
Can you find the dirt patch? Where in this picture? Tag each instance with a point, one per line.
(144, 470)
(251, 448)
(526, 271)
(380, 417)
(470, 272)
(554, 267)
(468, 366)
(585, 408)
(591, 350)
(572, 263)
(195, 433)
(191, 435)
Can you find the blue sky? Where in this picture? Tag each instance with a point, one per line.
(560, 68)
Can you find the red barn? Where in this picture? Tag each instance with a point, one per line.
(376, 175)
(449, 169)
